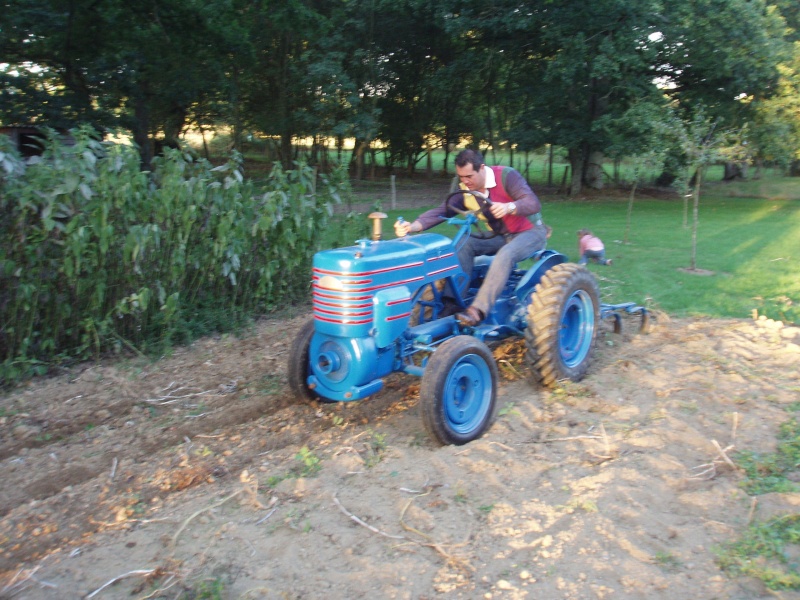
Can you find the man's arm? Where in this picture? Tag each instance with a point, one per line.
(526, 201)
(425, 221)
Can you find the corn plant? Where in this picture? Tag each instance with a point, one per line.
(97, 255)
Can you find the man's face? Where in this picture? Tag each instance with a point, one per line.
(474, 180)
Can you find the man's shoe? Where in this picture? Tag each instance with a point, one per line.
(608, 262)
(470, 317)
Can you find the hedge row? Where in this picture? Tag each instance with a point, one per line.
(97, 255)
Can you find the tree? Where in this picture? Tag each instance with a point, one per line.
(716, 51)
(775, 131)
(413, 48)
(643, 135)
(594, 60)
(283, 82)
(701, 139)
(139, 66)
(411, 73)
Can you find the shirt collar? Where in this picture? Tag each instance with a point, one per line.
(490, 179)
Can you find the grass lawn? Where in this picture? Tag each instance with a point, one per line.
(748, 248)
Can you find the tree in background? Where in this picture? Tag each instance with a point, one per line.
(644, 135)
(280, 88)
(596, 60)
(775, 131)
(409, 74)
(701, 140)
(140, 66)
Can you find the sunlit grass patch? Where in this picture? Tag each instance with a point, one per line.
(769, 552)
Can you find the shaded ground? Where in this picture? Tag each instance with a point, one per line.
(200, 472)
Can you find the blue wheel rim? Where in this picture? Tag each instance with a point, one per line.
(467, 394)
(577, 328)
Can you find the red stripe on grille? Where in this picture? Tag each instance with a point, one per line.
(368, 273)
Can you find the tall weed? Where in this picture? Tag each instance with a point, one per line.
(97, 255)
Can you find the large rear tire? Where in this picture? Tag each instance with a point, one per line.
(299, 367)
(458, 395)
(562, 324)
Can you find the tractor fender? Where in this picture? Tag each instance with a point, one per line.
(545, 261)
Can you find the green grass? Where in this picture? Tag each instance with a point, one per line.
(749, 246)
(774, 471)
(767, 551)
(748, 239)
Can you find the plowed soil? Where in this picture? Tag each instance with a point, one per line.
(199, 475)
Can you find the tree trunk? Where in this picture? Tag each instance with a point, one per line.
(733, 171)
(233, 102)
(527, 166)
(446, 154)
(686, 197)
(759, 168)
(429, 161)
(665, 179)
(594, 177)
(141, 130)
(286, 150)
(360, 148)
(695, 213)
(564, 189)
(205, 144)
(576, 160)
(630, 210)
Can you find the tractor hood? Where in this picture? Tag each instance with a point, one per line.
(354, 286)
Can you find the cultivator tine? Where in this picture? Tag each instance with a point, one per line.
(613, 311)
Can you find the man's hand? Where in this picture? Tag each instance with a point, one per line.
(403, 228)
(501, 209)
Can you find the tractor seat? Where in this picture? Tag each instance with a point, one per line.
(485, 260)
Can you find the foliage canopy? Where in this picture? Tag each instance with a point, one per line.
(413, 75)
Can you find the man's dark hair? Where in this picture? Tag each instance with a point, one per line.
(469, 157)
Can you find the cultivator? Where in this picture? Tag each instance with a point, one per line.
(615, 311)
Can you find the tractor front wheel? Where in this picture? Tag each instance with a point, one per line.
(562, 324)
(458, 395)
(300, 364)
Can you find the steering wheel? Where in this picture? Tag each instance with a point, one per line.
(483, 210)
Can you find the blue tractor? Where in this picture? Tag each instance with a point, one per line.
(379, 307)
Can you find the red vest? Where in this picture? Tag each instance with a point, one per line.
(513, 223)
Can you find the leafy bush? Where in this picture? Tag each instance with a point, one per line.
(96, 254)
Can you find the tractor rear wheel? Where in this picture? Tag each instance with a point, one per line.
(562, 324)
(299, 366)
(458, 395)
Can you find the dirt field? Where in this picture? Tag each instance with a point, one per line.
(199, 475)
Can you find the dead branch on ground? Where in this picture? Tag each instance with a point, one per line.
(143, 572)
(170, 397)
(355, 519)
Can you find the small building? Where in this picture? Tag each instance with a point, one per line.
(28, 139)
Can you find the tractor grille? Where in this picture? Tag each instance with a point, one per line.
(347, 298)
